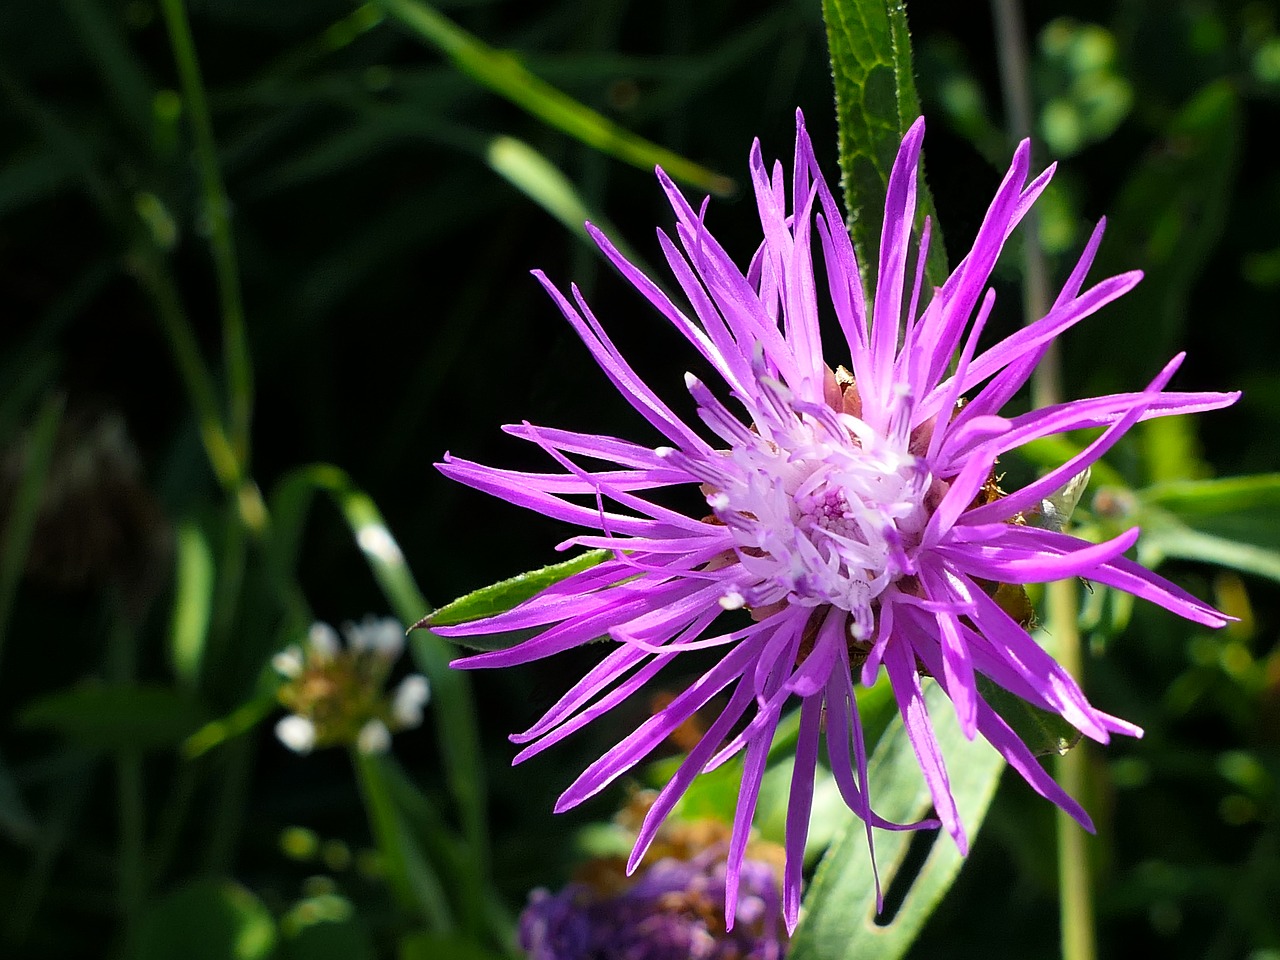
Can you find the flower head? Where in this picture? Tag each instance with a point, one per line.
(852, 498)
(335, 693)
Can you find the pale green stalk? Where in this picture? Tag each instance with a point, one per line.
(1075, 893)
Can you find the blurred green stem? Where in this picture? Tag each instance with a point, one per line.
(121, 667)
(413, 883)
(1075, 892)
(218, 210)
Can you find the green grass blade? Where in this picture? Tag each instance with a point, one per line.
(503, 74)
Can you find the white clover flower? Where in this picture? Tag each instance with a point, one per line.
(334, 687)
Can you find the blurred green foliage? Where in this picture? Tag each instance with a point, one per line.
(299, 234)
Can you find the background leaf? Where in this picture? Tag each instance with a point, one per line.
(206, 920)
(118, 716)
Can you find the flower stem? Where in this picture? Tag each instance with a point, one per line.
(1075, 894)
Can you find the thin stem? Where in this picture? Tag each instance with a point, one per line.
(1078, 930)
(1046, 384)
(218, 210)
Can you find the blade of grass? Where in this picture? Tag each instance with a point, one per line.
(222, 241)
(503, 74)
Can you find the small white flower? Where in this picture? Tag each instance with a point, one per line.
(297, 733)
(410, 697)
(374, 737)
(323, 641)
(289, 661)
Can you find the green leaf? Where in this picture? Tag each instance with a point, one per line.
(506, 76)
(503, 596)
(206, 920)
(1233, 522)
(118, 716)
(876, 103)
(414, 881)
(839, 920)
(1043, 732)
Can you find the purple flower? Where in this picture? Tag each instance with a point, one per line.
(671, 912)
(854, 514)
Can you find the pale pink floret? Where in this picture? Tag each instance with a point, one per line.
(840, 528)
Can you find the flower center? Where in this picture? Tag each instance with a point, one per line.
(822, 511)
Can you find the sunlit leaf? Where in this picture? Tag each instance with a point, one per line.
(839, 921)
(502, 596)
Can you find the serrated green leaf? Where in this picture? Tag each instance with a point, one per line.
(876, 103)
(506, 594)
(206, 920)
(839, 918)
(118, 716)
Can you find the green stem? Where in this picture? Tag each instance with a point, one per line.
(1079, 937)
(155, 278)
(218, 210)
